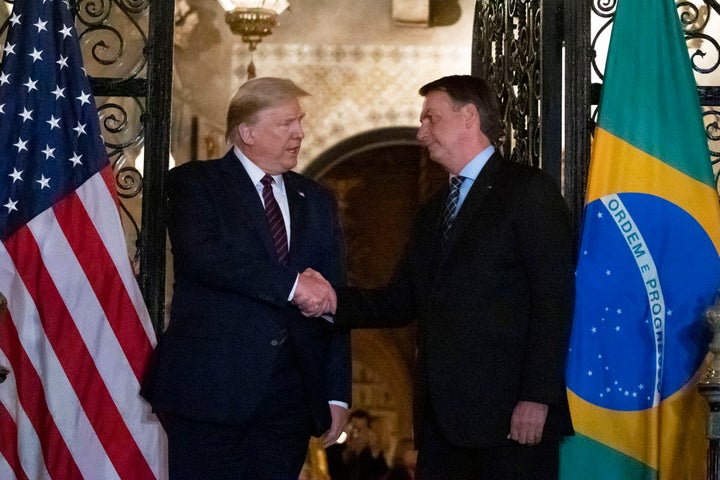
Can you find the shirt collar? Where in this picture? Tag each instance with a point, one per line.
(473, 168)
(256, 173)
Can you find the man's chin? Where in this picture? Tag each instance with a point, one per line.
(290, 161)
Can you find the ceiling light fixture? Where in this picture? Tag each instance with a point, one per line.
(253, 20)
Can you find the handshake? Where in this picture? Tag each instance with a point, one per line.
(314, 295)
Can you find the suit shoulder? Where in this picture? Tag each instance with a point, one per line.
(308, 185)
(301, 179)
(189, 168)
(527, 173)
(194, 169)
(520, 168)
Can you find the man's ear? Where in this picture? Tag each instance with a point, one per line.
(247, 133)
(471, 115)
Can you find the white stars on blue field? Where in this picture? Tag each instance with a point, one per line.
(638, 333)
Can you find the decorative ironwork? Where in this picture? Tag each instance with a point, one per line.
(604, 10)
(113, 39)
(127, 47)
(115, 34)
(127, 52)
(705, 61)
(508, 61)
(516, 47)
(704, 51)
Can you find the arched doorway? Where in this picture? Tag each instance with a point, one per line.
(380, 178)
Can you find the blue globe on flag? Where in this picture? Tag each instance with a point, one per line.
(636, 337)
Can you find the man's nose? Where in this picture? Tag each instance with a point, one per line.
(421, 133)
(298, 131)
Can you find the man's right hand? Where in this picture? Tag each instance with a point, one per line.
(314, 295)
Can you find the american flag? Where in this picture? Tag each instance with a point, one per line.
(76, 336)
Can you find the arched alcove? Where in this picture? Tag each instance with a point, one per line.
(380, 178)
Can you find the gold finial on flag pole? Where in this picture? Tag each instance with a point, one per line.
(712, 317)
(709, 387)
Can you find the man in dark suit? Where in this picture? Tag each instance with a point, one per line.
(488, 276)
(243, 379)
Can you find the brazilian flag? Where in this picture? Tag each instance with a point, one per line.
(648, 264)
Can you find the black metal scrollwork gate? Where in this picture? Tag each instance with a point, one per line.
(523, 46)
(128, 52)
(517, 46)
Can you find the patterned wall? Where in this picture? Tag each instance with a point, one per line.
(354, 88)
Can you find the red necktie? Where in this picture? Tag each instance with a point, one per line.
(275, 220)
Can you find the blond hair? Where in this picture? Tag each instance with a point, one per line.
(256, 95)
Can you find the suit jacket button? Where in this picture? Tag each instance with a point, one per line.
(274, 343)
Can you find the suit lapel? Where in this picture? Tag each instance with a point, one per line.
(249, 200)
(481, 187)
(297, 205)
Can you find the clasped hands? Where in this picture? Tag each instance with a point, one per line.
(314, 295)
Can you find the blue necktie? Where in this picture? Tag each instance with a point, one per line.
(275, 220)
(451, 206)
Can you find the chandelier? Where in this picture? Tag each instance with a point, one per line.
(253, 20)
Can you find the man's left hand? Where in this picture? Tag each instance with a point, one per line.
(527, 422)
(339, 418)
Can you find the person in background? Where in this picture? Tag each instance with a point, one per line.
(243, 379)
(488, 275)
(359, 457)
